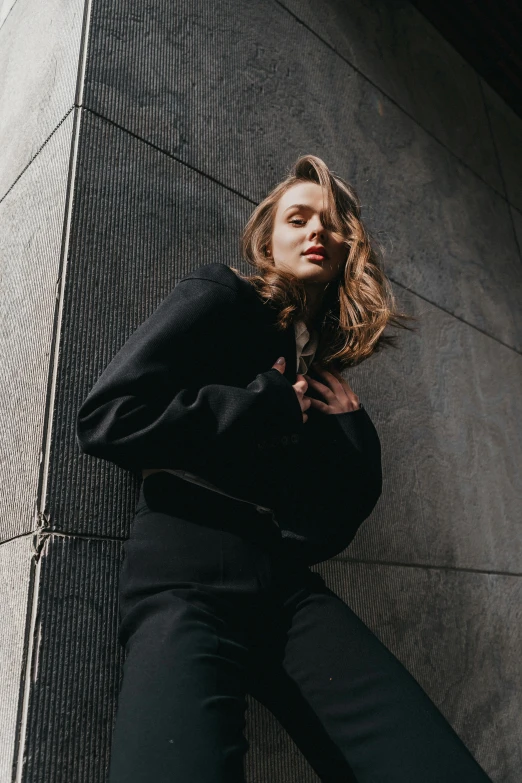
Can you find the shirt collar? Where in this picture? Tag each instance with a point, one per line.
(306, 343)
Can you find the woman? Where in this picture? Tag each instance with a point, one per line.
(253, 470)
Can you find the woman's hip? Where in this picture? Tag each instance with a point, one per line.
(184, 536)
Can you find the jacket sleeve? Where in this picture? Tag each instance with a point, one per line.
(145, 410)
(335, 477)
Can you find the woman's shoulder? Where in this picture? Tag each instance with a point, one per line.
(227, 286)
(218, 273)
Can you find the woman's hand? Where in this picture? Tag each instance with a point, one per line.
(300, 386)
(339, 396)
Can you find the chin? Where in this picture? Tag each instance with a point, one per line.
(308, 270)
(314, 269)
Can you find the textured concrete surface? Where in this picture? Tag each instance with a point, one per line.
(447, 408)
(31, 216)
(507, 131)
(457, 633)
(75, 678)
(39, 50)
(517, 225)
(15, 594)
(208, 89)
(5, 8)
(117, 235)
(397, 49)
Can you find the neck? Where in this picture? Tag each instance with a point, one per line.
(314, 298)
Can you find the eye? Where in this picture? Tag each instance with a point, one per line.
(297, 220)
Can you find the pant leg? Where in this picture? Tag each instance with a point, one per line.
(181, 708)
(349, 704)
(188, 595)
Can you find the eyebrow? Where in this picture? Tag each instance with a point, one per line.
(300, 206)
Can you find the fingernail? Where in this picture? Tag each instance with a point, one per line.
(281, 360)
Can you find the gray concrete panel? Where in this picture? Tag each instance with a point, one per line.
(400, 51)
(5, 8)
(39, 51)
(456, 632)
(15, 594)
(507, 131)
(77, 663)
(448, 409)
(31, 220)
(447, 405)
(240, 90)
(141, 221)
(517, 223)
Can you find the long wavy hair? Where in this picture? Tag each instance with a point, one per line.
(356, 306)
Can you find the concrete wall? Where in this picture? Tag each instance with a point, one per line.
(185, 119)
(39, 62)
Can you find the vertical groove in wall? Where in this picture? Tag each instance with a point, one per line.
(55, 358)
(96, 276)
(31, 652)
(80, 79)
(84, 48)
(70, 714)
(28, 684)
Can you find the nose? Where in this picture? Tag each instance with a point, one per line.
(317, 228)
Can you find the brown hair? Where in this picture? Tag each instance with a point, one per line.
(358, 304)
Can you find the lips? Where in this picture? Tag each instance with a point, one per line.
(317, 252)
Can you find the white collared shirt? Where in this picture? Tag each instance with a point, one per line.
(306, 347)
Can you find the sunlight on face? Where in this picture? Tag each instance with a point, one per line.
(298, 228)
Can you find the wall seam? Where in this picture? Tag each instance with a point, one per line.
(43, 536)
(37, 153)
(392, 100)
(499, 164)
(39, 540)
(8, 14)
(254, 203)
(429, 566)
(47, 428)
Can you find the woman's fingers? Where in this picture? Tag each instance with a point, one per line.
(300, 387)
(338, 382)
(326, 391)
(319, 405)
(335, 387)
(339, 394)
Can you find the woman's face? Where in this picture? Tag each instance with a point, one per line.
(298, 226)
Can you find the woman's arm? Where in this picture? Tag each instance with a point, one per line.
(333, 480)
(145, 409)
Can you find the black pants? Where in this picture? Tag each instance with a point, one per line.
(212, 606)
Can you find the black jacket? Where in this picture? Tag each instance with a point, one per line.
(193, 388)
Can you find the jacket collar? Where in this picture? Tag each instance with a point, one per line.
(284, 341)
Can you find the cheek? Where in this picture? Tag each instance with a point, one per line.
(288, 241)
